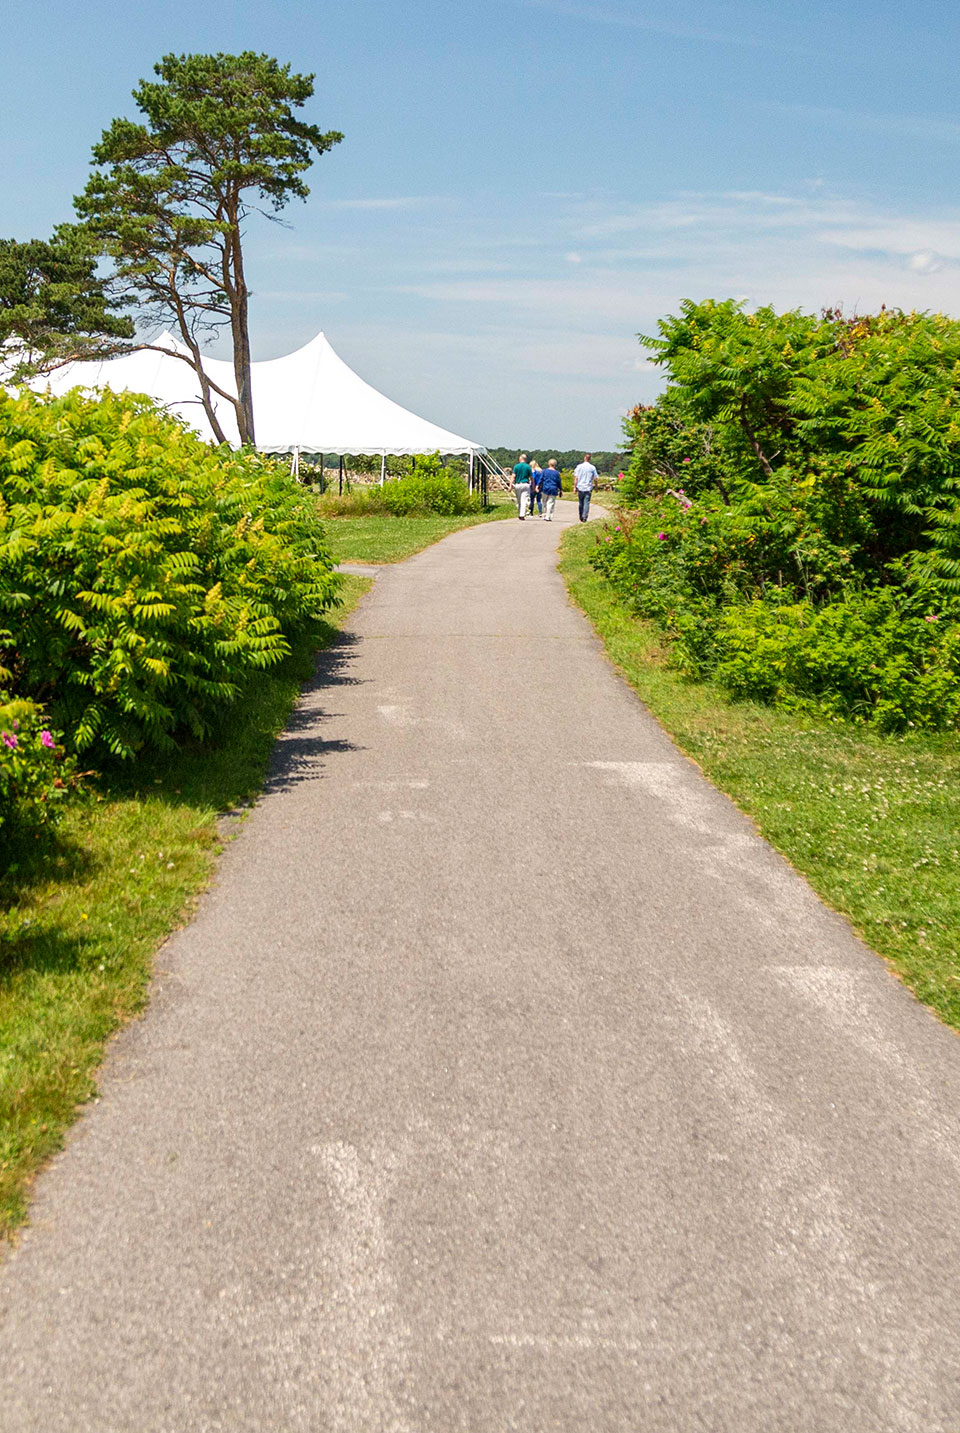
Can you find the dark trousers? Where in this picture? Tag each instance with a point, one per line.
(584, 500)
(537, 497)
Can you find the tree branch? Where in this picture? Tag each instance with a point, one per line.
(752, 437)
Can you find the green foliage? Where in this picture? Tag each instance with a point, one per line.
(144, 576)
(868, 657)
(428, 488)
(53, 304)
(851, 426)
(220, 137)
(794, 500)
(35, 773)
(605, 462)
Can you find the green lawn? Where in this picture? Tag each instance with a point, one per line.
(382, 538)
(873, 822)
(602, 498)
(82, 913)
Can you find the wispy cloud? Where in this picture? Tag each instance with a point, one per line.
(929, 128)
(555, 311)
(653, 25)
(769, 248)
(665, 22)
(725, 210)
(328, 296)
(403, 201)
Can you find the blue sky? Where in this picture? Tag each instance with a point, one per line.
(526, 184)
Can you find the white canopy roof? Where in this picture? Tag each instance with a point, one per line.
(309, 400)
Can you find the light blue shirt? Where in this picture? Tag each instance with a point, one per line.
(586, 476)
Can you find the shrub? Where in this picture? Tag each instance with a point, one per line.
(849, 427)
(35, 774)
(795, 508)
(430, 492)
(867, 657)
(717, 581)
(144, 575)
(429, 488)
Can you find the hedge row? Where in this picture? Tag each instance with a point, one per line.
(144, 576)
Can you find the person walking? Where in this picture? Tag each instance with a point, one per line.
(551, 487)
(520, 485)
(585, 476)
(536, 497)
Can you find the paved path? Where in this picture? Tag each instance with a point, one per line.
(505, 1081)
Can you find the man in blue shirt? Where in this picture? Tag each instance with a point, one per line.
(585, 476)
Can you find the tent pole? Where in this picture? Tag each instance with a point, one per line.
(340, 488)
(470, 484)
(383, 468)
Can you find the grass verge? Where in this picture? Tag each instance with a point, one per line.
(873, 822)
(83, 910)
(380, 537)
(600, 498)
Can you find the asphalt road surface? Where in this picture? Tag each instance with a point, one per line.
(506, 1080)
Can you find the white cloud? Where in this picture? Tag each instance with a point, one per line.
(328, 296)
(925, 262)
(930, 128)
(505, 338)
(651, 25)
(903, 236)
(783, 249)
(397, 202)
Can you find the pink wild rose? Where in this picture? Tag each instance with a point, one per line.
(47, 740)
(10, 740)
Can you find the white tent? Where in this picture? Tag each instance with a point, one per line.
(307, 402)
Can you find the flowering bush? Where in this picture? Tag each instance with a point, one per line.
(35, 774)
(794, 509)
(719, 584)
(144, 576)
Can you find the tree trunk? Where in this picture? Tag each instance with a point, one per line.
(206, 397)
(196, 363)
(722, 491)
(755, 445)
(239, 323)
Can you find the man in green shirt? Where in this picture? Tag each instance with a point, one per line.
(520, 487)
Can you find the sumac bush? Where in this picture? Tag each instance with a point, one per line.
(144, 576)
(867, 657)
(792, 509)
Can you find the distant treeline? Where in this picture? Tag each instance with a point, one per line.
(566, 457)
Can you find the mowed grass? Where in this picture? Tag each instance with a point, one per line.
(873, 822)
(83, 911)
(379, 537)
(601, 498)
